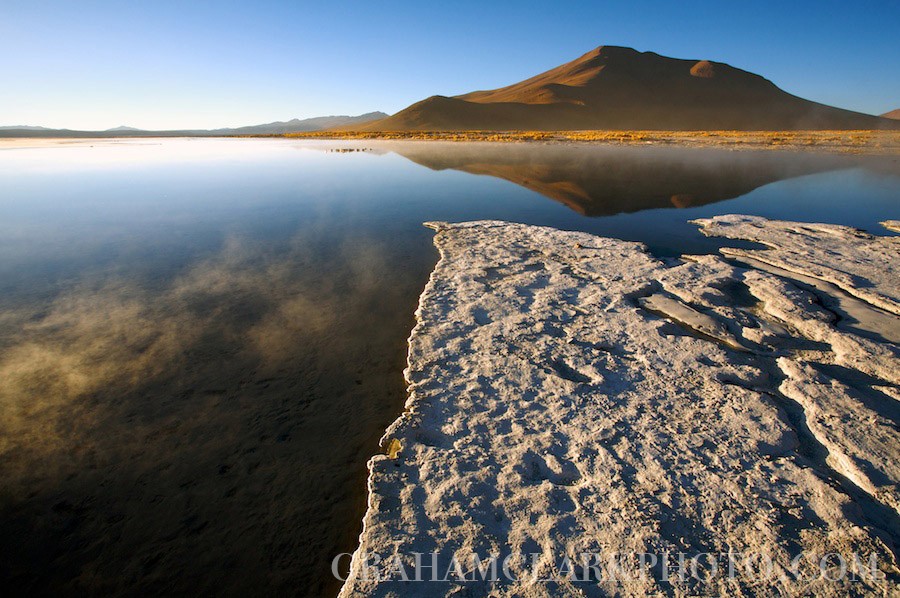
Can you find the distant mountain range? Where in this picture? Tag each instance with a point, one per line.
(276, 128)
(895, 114)
(613, 87)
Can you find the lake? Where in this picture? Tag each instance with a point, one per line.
(202, 340)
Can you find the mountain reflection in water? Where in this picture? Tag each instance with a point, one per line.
(602, 181)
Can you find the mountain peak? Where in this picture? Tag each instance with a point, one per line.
(613, 51)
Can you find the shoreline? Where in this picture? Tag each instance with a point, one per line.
(868, 142)
(543, 414)
(862, 142)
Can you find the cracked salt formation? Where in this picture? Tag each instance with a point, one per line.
(861, 264)
(572, 394)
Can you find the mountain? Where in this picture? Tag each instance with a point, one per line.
(24, 128)
(613, 87)
(302, 126)
(894, 114)
(276, 128)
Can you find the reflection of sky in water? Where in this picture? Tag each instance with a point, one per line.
(201, 341)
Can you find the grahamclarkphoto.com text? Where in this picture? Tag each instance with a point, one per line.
(600, 568)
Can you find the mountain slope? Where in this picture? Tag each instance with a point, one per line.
(612, 87)
(895, 114)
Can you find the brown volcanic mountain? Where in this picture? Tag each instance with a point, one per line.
(620, 88)
(895, 114)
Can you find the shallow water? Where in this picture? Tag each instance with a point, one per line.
(201, 341)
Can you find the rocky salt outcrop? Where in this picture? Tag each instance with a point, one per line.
(572, 396)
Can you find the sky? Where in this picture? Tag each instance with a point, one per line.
(161, 64)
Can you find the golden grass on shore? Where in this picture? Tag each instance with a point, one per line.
(858, 142)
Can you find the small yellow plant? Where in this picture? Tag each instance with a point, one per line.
(393, 448)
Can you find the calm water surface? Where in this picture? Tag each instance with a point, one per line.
(201, 341)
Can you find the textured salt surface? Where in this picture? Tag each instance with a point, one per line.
(571, 394)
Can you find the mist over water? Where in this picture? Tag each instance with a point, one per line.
(201, 341)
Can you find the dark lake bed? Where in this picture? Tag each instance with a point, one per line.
(202, 340)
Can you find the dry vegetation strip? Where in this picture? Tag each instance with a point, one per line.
(869, 142)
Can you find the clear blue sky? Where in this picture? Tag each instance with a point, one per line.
(166, 64)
